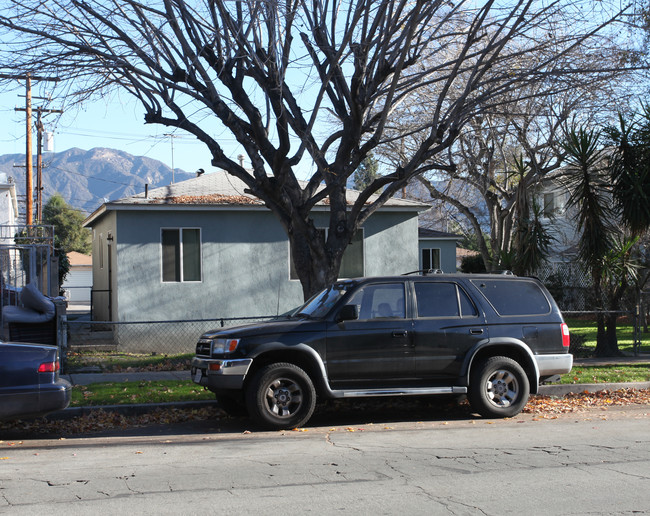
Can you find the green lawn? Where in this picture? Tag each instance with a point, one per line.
(128, 393)
(607, 374)
(115, 362)
(583, 335)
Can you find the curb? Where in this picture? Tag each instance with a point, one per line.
(129, 410)
(577, 388)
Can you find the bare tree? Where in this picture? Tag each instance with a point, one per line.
(503, 153)
(304, 84)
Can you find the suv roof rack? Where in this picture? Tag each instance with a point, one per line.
(503, 272)
(424, 272)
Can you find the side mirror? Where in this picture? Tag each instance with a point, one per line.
(349, 313)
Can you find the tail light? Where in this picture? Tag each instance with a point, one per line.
(49, 367)
(566, 338)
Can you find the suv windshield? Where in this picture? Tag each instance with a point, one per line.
(321, 303)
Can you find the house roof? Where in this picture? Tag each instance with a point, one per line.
(218, 190)
(77, 259)
(432, 234)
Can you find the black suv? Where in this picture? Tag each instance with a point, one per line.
(492, 337)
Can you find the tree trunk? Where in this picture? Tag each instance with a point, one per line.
(316, 260)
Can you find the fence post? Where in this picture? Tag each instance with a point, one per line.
(61, 330)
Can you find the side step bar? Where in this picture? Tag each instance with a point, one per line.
(408, 391)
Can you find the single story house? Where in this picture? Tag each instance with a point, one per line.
(205, 249)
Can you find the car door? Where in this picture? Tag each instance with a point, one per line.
(377, 345)
(446, 325)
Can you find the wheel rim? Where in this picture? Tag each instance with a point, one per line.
(502, 388)
(283, 397)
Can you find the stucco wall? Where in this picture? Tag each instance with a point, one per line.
(245, 263)
(447, 252)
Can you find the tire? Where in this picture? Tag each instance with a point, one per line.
(498, 388)
(232, 405)
(281, 397)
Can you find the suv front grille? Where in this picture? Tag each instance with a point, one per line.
(204, 347)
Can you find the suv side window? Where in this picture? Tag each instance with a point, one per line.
(441, 299)
(383, 300)
(514, 297)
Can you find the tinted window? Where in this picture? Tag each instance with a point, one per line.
(385, 300)
(437, 300)
(514, 297)
(467, 308)
(442, 300)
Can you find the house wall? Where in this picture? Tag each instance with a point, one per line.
(447, 252)
(245, 263)
(7, 212)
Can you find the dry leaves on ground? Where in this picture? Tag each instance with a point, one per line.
(101, 421)
(583, 400)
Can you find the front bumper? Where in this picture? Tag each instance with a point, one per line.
(549, 365)
(217, 374)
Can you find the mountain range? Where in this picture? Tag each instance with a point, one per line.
(86, 178)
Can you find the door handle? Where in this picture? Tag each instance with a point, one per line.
(476, 331)
(400, 333)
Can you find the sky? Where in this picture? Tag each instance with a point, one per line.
(116, 123)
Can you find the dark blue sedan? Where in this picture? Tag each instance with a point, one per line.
(30, 385)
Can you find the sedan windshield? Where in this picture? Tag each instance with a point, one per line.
(319, 305)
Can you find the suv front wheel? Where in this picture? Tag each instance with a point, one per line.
(281, 396)
(498, 388)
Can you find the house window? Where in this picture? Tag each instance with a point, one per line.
(181, 254)
(430, 259)
(351, 263)
(554, 203)
(549, 204)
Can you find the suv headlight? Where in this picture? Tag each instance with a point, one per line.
(223, 346)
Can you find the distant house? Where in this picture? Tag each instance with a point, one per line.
(78, 283)
(437, 249)
(203, 248)
(8, 202)
(553, 197)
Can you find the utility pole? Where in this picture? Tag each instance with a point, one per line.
(39, 160)
(29, 187)
(171, 139)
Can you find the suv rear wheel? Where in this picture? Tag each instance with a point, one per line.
(281, 396)
(498, 388)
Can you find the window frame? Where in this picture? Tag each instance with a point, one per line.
(181, 243)
(430, 251)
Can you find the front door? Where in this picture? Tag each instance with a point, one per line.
(378, 345)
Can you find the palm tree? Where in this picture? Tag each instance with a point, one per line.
(587, 178)
(532, 239)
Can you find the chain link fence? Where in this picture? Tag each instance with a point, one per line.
(170, 337)
(569, 284)
(573, 289)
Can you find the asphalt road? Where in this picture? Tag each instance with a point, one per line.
(593, 462)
